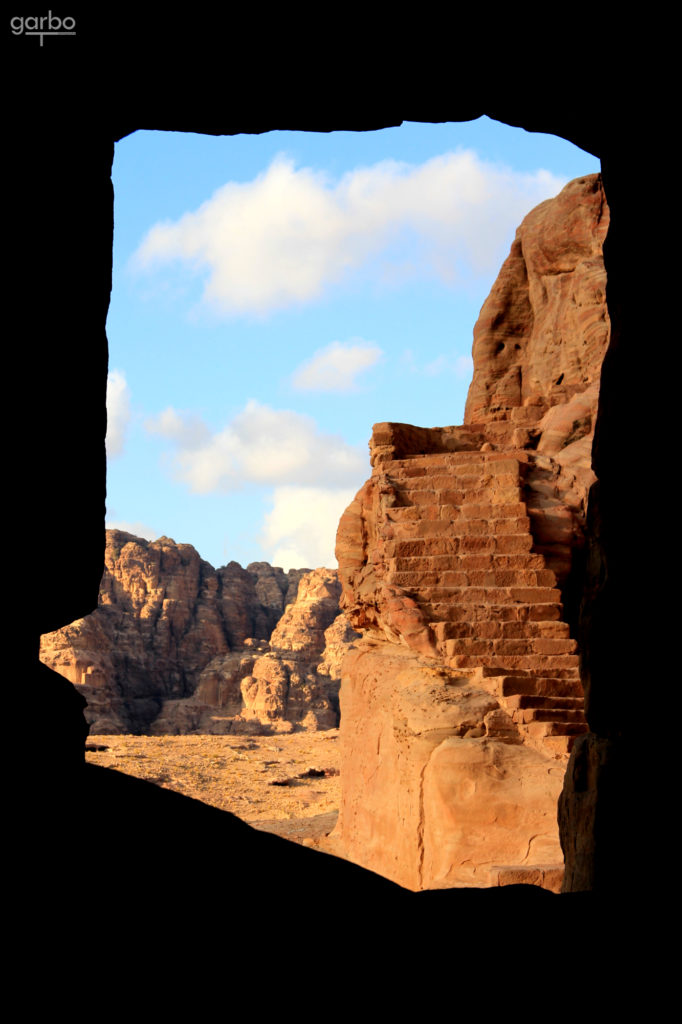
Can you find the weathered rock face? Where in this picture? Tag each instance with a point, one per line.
(275, 589)
(457, 550)
(173, 639)
(290, 683)
(542, 332)
(293, 684)
(539, 343)
(159, 622)
(216, 704)
(438, 787)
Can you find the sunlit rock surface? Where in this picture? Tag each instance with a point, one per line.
(462, 701)
(174, 642)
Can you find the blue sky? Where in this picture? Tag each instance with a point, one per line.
(276, 295)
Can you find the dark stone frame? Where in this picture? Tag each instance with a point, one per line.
(61, 215)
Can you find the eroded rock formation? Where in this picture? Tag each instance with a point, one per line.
(173, 640)
(291, 682)
(461, 703)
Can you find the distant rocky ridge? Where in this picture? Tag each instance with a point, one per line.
(178, 646)
(291, 682)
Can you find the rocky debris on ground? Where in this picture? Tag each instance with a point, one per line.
(233, 773)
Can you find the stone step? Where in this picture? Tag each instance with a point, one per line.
(509, 542)
(485, 572)
(486, 510)
(539, 663)
(495, 675)
(415, 527)
(460, 544)
(542, 729)
(556, 746)
(493, 523)
(495, 580)
(450, 611)
(501, 527)
(467, 562)
(431, 594)
(400, 514)
(511, 578)
(455, 498)
(469, 480)
(416, 469)
(540, 687)
(416, 581)
(452, 463)
(523, 701)
(433, 460)
(493, 630)
(402, 519)
(423, 547)
(499, 725)
(458, 526)
(493, 510)
(473, 493)
(516, 647)
(471, 560)
(571, 716)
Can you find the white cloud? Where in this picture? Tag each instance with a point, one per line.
(186, 429)
(464, 367)
(260, 445)
(461, 366)
(439, 365)
(137, 528)
(118, 413)
(300, 532)
(336, 367)
(281, 239)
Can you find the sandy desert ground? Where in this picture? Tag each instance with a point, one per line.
(286, 784)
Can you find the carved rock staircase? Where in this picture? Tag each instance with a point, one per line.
(461, 548)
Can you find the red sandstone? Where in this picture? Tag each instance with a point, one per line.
(461, 703)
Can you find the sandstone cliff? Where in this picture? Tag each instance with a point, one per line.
(460, 704)
(290, 683)
(173, 638)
